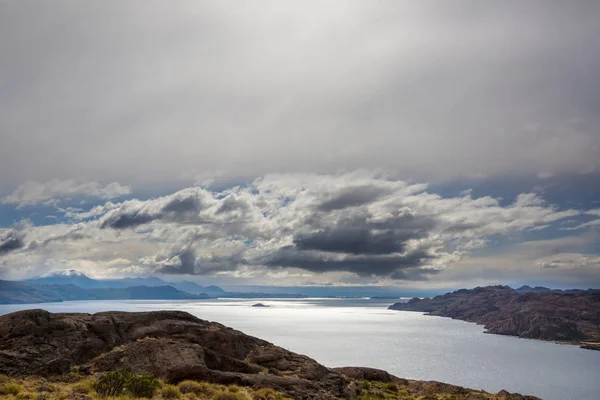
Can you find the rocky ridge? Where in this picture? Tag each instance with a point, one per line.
(176, 346)
(564, 316)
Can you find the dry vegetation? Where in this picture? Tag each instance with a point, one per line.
(77, 387)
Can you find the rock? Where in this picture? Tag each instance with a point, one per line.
(260, 305)
(175, 346)
(570, 316)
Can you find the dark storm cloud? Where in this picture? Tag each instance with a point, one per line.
(127, 220)
(11, 241)
(75, 233)
(363, 265)
(230, 204)
(355, 241)
(183, 205)
(186, 262)
(352, 197)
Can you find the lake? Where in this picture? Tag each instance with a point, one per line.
(362, 332)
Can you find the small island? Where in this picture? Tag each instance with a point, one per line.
(260, 305)
(571, 316)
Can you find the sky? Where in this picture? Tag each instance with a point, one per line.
(392, 143)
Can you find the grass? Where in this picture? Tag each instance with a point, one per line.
(372, 390)
(82, 387)
(75, 387)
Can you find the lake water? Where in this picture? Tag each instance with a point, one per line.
(344, 332)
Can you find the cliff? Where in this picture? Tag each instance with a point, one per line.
(176, 346)
(572, 317)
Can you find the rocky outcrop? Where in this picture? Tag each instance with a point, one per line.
(565, 316)
(173, 346)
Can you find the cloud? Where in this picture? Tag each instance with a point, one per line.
(32, 193)
(10, 241)
(278, 222)
(569, 261)
(592, 223)
(72, 233)
(144, 91)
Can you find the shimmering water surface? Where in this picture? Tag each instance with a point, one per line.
(351, 332)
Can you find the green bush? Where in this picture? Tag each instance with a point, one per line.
(170, 392)
(10, 388)
(142, 385)
(113, 383)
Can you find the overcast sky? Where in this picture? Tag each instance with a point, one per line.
(302, 142)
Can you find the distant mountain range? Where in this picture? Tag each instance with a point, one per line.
(21, 293)
(70, 284)
(74, 277)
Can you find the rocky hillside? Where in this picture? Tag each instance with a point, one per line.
(177, 346)
(568, 317)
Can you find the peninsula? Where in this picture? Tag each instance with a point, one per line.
(564, 316)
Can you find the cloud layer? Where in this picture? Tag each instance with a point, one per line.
(362, 224)
(149, 93)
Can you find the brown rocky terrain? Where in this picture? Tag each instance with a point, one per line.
(557, 316)
(176, 346)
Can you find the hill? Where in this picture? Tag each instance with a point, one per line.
(20, 293)
(566, 316)
(176, 346)
(77, 278)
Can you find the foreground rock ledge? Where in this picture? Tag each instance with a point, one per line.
(175, 346)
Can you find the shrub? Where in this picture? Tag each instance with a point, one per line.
(391, 387)
(142, 385)
(45, 387)
(266, 394)
(80, 388)
(170, 392)
(113, 383)
(231, 396)
(10, 388)
(3, 379)
(198, 388)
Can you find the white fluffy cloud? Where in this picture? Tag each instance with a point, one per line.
(31, 193)
(360, 224)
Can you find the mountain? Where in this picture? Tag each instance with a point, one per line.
(20, 293)
(568, 316)
(63, 277)
(74, 277)
(176, 346)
